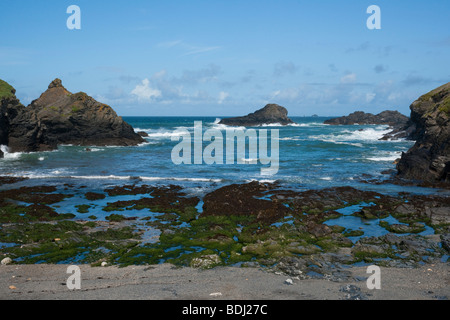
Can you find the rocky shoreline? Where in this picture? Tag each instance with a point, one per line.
(301, 234)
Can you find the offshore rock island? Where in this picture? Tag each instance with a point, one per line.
(60, 117)
(270, 114)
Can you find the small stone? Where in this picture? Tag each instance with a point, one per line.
(215, 294)
(104, 264)
(6, 261)
(289, 282)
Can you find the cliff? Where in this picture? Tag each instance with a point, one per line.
(429, 159)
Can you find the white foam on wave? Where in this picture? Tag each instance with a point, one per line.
(352, 137)
(271, 125)
(224, 127)
(160, 134)
(261, 180)
(181, 179)
(386, 156)
(110, 177)
(309, 124)
(10, 156)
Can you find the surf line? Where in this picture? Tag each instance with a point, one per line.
(234, 143)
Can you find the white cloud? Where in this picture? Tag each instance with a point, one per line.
(349, 78)
(145, 92)
(370, 96)
(222, 96)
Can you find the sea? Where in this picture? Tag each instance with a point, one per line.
(312, 155)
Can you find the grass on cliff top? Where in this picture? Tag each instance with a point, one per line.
(445, 106)
(6, 91)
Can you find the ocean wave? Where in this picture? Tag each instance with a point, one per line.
(165, 133)
(182, 179)
(295, 138)
(63, 174)
(224, 127)
(309, 124)
(261, 180)
(390, 156)
(347, 136)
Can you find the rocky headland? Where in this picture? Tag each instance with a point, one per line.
(270, 114)
(429, 159)
(60, 117)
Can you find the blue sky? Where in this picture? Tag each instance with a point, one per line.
(229, 57)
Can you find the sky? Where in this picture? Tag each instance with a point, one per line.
(229, 57)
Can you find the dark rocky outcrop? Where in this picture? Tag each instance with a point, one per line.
(429, 159)
(270, 114)
(60, 117)
(390, 118)
(401, 125)
(10, 107)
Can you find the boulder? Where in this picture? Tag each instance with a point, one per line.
(270, 114)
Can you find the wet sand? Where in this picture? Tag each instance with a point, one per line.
(165, 282)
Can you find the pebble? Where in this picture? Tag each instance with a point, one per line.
(6, 261)
(215, 294)
(289, 282)
(104, 264)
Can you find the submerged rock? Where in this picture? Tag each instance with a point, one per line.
(270, 114)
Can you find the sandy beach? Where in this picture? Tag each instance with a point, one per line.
(165, 282)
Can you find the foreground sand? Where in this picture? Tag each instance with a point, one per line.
(165, 282)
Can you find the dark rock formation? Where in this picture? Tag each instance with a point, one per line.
(401, 125)
(429, 159)
(142, 133)
(10, 107)
(390, 118)
(271, 113)
(60, 117)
